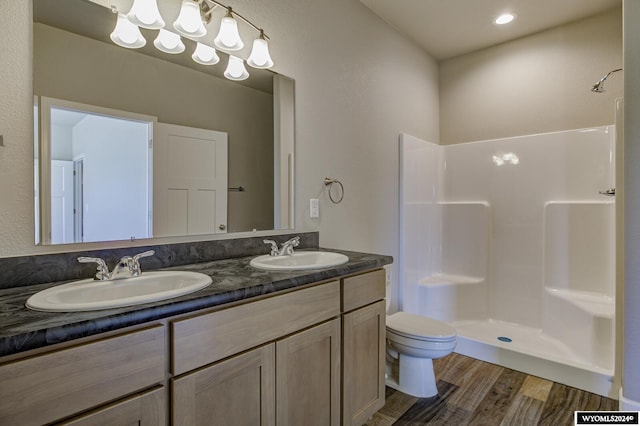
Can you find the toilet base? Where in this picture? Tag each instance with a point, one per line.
(415, 377)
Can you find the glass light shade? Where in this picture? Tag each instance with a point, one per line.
(127, 34)
(145, 14)
(205, 55)
(189, 22)
(168, 42)
(228, 37)
(259, 57)
(235, 69)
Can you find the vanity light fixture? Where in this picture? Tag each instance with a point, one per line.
(145, 14)
(127, 34)
(169, 42)
(192, 23)
(205, 55)
(235, 69)
(228, 37)
(260, 57)
(505, 18)
(189, 22)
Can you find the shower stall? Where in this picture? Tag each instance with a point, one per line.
(512, 242)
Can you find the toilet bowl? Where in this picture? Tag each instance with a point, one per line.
(413, 342)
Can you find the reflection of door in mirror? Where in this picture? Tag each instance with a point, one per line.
(190, 181)
(96, 170)
(62, 202)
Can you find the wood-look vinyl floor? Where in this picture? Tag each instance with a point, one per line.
(473, 392)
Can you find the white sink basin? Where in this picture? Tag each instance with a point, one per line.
(91, 295)
(299, 260)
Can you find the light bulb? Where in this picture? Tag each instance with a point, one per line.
(505, 18)
(259, 57)
(189, 22)
(127, 34)
(205, 55)
(169, 42)
(228, 37)
(145, 14)
(235, 69)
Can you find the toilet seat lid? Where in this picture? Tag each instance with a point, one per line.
(419, 326)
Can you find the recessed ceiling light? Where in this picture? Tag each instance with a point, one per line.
(505, 18)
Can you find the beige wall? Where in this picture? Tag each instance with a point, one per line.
(79, 69)
(536, 84)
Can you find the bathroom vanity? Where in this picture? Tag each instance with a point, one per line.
(255, 347)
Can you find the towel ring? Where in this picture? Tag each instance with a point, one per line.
(330, 182)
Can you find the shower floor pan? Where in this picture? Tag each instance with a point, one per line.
(532, 352)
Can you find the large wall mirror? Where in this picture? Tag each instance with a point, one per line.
(135, 144)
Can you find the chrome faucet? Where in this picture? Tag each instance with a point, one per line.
(274, 247)
(127, 267)
(102, 273)
(287, 246)
(285, 249)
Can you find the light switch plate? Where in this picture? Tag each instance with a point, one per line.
(314, 208)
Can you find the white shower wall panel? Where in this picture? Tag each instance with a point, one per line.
(465, 239)
(580, 247)
(458, 290)
(420, 252)
(516, 177)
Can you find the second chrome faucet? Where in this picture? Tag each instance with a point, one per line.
(286, 247)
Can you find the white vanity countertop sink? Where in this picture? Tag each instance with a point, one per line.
(91, 295)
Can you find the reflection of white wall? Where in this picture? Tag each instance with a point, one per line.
(61, 137)
(116, 184)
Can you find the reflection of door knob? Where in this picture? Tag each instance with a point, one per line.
(222, 227)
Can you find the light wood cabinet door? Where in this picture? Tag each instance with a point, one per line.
(235, 392)
(308, 377)
(147, 409)
(363, 340)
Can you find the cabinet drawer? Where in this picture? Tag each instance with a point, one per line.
(362, 290)
(48, 387)
(208, 338)
(145, 409)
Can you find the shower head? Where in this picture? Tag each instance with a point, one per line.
(599, 86)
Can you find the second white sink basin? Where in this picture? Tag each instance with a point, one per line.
(299, 260)
(91, 295)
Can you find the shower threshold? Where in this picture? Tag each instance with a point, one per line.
(528, 350)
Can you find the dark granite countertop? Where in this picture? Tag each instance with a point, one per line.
(22, 329)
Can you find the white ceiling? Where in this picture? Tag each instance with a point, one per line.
(448, 28)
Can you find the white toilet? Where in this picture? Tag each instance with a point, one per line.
(413, 342)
